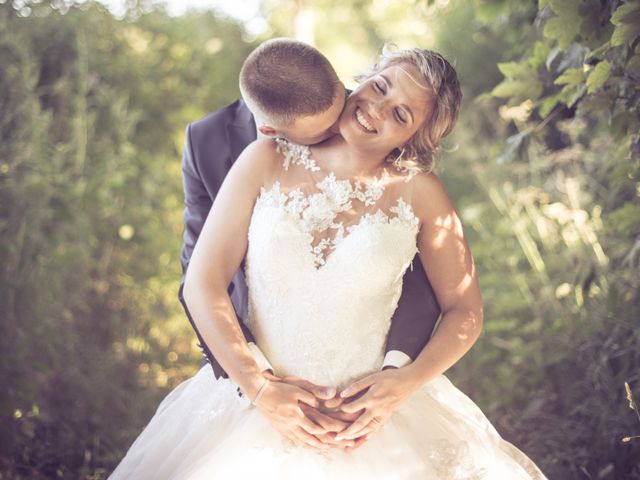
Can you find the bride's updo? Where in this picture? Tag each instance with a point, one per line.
(421, 151)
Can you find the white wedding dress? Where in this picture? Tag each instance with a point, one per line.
(324, 265)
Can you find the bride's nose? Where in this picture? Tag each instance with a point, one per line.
(378, 109)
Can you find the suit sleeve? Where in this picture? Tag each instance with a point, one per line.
(198, 201)
(414, 319)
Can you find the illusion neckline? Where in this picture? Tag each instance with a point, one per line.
(303, 156)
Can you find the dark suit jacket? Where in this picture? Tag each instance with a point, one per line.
(212, 144)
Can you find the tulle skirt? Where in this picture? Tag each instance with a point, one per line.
(204, 430)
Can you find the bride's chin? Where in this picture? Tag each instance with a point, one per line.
(353, 136)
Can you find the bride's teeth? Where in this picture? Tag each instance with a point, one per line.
(363, 121)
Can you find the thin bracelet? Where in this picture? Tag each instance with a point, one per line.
(260, 391)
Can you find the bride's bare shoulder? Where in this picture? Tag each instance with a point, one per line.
(430, 197)
(262, 150)
(260, 157)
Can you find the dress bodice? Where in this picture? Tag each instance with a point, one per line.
(324, 266)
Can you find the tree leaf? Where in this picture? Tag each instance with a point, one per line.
(598, 52)
(483, 97)
(512, 69)
(547, 104)
(598, 76)
(625, 33)
(571, 76)
(576, 94)
(518, 89)
(627, 13)
(570, 94)
(539, 55)
(566, 8)
(559, 29)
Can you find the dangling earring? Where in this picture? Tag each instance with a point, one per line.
(398, 159)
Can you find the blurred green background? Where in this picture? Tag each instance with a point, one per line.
(544, 167)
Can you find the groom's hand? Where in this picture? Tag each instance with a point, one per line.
(321, 393)
(332, 422)
(332, 425)
(282, 403)
(331, 408)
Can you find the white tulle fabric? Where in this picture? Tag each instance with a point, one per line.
(324, 267)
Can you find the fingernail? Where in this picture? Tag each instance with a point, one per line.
(344, 393)
(330, 392)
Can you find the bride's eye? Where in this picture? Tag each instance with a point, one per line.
(400, 115)
(379, 86)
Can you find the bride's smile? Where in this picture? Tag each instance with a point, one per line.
(362, 120)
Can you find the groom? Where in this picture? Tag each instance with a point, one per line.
(290, 90)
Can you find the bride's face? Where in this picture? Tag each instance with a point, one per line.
(386, 110)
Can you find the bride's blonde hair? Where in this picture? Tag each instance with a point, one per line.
(419, 154)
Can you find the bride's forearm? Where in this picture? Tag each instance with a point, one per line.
(217, 255)
(455, 335)
(215, 318)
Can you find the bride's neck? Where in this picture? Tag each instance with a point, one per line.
(344, 159)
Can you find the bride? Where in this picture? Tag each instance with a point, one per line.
(326, 233)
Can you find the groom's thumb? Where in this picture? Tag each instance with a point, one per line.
(333, 402)
(322, 393)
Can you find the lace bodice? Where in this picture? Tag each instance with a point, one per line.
(324, 266)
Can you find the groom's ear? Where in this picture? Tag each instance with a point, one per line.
(268, 131)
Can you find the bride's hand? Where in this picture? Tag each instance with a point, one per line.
(378, 396)
(282, 403)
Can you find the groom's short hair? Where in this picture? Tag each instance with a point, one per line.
(284, 79)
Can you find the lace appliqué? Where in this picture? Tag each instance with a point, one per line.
(298, 154)
(404, 215)
(370, 194)
(453, 462)
(317, 212)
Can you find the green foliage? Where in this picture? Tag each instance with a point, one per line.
(570, 198)
(90, 225)
(521, 85)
